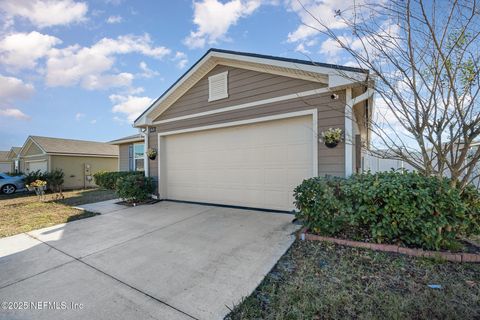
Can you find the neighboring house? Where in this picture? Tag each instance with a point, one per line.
(131, 153)
(78, 159)
(5, 163)
(243, 129)
(14, 157)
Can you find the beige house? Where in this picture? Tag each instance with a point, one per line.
(5, 163)
(78, 159)
(131, 153)
(243, 129)
(14, 157)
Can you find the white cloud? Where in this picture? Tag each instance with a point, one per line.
(181, 59)
(312, 10)
(99, 82)
(94, 121)
(79, 116)
(131, 106)
(45, 13)
(147, 72)
(14, 113)
(89, 65)
(114, 19)
(12, 89)
(22, 50)
(213, 19)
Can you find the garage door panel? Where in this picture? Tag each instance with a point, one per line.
(37, 165)
(255, 165)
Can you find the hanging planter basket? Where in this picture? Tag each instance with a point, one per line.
(331, 145)
(332, 137)
(152, 154)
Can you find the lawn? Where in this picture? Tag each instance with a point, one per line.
(316, 280)
(23, 212)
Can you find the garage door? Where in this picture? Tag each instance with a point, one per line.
(37, 165)
(255, 165)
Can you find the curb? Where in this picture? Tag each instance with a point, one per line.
(303, 234)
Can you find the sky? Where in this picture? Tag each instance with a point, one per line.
(86, 69)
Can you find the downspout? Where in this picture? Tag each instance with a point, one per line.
(145, 158)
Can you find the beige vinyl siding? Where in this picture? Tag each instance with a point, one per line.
(123, 159)
(32, 150)
(243, 86)
(74, 168)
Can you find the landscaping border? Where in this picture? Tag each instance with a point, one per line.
(303, 234)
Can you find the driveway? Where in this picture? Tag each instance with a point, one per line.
(163, 261)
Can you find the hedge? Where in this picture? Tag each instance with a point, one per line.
(394, 207)
(134, 188)
(108, 180)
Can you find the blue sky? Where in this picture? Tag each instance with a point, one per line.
(86, 69)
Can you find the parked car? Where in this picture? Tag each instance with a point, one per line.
(9, 184)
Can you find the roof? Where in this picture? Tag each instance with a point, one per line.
(298, 65)
(132, 138)
(4, 155)
(74, 147)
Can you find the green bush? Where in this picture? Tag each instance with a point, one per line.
(108, 180)
(390, 207)
(134, 188)
(35, 175)
(55, 180)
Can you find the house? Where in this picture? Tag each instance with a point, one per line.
(5, 163)
(14, 157)
(131, 153)
(78, 159)
(243, 129)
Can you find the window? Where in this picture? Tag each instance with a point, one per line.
(218, 86)
(138, 157)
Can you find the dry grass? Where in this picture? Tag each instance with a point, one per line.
(23, 212)
(316, 280)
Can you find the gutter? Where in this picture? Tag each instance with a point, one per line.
(145, 158)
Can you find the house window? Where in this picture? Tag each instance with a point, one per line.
(218, 86)
(138, 157)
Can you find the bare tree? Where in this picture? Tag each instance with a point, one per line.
(424, 59)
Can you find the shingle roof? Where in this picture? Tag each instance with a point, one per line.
(3, 155)
(16, 149)
(133, 137)
(70, 146)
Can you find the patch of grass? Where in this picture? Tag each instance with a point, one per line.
(316, 280)
(23, 212)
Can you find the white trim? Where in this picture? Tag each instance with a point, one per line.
(125, 141)
(247, 105)
(28, 161)
(334, 75)
(364, 96)
(223, 77)
(312, 112)
(348, 133)
(71, 155)
(28, 142)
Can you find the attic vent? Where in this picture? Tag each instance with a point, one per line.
(218, 86)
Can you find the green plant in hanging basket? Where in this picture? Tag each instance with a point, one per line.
(332, 137)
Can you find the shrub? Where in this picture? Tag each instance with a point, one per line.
(34, 176)
(135, 188)
(55, 180)
(390, 207)
(108, 180)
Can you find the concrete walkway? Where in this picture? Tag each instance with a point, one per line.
(102, 207)
(162, 261)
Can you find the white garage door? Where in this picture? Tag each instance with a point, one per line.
(37, 165)
(255, 165)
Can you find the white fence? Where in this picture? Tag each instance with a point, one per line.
(378, 164)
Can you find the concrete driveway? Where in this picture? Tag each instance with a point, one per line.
(163, 261)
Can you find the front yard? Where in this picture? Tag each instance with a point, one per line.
(23, 212)
(316, 280)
